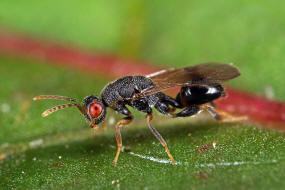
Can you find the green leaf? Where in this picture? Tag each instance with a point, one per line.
(61, 151)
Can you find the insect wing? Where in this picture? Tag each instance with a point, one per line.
(207, 73)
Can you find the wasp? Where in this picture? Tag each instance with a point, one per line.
(200, 86)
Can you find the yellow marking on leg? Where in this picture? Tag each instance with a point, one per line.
(227, 117)
(159, 137)
(123, 121)
(222, 116)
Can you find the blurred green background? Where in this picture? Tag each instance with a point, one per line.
(247, 33)
(167, 33)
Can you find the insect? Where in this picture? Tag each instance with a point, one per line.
(200, 85)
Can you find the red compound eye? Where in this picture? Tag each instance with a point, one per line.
(95, 109)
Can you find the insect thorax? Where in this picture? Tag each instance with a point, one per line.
(124, 88)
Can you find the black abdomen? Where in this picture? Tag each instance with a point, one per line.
(198, 94)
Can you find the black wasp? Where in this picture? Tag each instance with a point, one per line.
(200, 85)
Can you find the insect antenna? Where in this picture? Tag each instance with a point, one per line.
(59, 107)
(55, 97)
(56, 108)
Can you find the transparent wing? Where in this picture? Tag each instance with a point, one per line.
(207, 73)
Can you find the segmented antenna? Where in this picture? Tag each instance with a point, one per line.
(59, 107)
(56, 108)
(55, 97)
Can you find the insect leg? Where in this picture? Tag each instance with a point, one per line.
(213, 113)
(189, 111)
(166, 105)
(162, 107)
(123, 121)
(159, 137)
(213, 104)
(172, 102)
(222, 116)
(100, 130)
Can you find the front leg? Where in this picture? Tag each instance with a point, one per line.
(121, 122)
(100, 130)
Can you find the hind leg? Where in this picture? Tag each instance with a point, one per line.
(167, 105)
(222, 116)
(188, 111)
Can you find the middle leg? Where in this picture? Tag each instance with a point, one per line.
(159, 137)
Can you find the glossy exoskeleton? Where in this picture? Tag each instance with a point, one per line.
(191, 97)
(200, 85)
